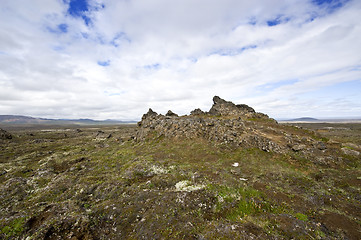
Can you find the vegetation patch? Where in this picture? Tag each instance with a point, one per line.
(14, 228)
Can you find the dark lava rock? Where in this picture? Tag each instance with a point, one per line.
(171, 114)
(230, 129)
(5, 135)
(197, 112)
(321, 146)
(149, 115)
(225, 108)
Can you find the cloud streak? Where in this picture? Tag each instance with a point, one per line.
(114, 59)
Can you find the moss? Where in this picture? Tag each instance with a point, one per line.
(237, 203)
(301, 217)
(14, 228)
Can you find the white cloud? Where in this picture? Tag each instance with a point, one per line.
(176, 55)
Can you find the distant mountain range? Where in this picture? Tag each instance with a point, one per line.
(315, 120)
(304, 119)
(16, 119)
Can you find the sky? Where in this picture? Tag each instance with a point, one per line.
(114, 59)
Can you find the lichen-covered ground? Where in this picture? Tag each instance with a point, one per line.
(99, 183)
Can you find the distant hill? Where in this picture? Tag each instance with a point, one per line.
(323, 120)
(304, 119)
(17, 119)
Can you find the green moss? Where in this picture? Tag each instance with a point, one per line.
(320, 235)
(301, 217)
(236, 203)
(14, 228)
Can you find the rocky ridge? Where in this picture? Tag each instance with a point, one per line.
(238, 126)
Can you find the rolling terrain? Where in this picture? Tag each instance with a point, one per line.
(230, 173)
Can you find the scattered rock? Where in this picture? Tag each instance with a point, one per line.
(298, 147)
(100, 135)
(351, 152)
(5, 135)
(321, 146)
(352, 146)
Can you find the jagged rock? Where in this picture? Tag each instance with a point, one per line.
(171, 114)
(224, 108)
(5, 135)
(196, 112)
(233, 125)
(229, 130)
(100, 135)
(150, 113)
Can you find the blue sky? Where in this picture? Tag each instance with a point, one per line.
(116, 58)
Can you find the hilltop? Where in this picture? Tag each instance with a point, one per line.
(226, 173)
(237, 126)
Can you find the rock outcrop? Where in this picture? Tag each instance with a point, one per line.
(225, 122)
(171, 114)
(237, 126)
(222, 107)
(197, 112)
(5, 135)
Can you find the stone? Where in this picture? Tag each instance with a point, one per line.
(229, 129)
(321, 146)
(5, 135)
(224, 108)
(171, 114)
(197, 111)
(298, 147)
(150, 113)
(351, 152)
